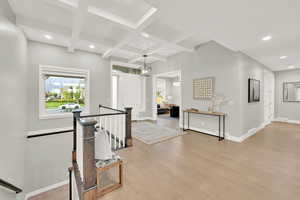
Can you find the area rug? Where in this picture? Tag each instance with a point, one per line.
(151, 133)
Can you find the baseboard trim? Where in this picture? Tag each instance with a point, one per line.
(45, 189)
(210, 132)
(232, 138)
(286, 120)
(253, 131)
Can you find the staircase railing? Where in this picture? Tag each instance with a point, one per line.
(116, 124)
(10, 186)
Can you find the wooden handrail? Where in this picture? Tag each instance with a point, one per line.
(84, 167)
(10, 186)
(101, 115)
(101, 106)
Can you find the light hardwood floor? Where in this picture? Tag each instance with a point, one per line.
(194, 166)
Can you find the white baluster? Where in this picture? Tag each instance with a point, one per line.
(119, 131)
(109, 118)
(115, 132)
(105, 125)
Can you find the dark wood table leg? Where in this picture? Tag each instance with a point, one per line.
(223, 127)
(188, 121)
(183, 120)
(219, 128)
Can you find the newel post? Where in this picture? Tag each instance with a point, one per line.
(89, 163)
(128, 139)
(76, 114)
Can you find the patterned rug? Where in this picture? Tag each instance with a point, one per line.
(151, 133)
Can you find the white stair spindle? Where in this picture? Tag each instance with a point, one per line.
(115, 132)
(118, 131)
(109, 118)
(100, 123)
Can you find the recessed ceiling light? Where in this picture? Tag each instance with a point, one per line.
(92, 46)
(266, 38)
(146, 35)
(291, 67)
(283, 57)
(49, 37)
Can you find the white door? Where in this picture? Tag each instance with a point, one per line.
(131, 93)
(269, 96)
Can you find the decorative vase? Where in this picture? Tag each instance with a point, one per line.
(102, 146)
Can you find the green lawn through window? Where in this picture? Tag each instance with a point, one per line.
(56, 104)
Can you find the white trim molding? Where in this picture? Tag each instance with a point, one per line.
(211, 132)
(45, 189)
(286, 120)
(252, 132)
(230, 137)
(61, 71)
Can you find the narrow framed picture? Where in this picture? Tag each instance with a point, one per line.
(253, 90)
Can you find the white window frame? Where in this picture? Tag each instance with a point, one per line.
(61, 71)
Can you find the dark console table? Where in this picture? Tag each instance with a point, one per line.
(219, 115)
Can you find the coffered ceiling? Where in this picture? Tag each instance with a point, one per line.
(160, 28)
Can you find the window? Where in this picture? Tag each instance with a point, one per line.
(161, 87)
(115, 91)
(176, 84)
(128, 89)
(63, 90)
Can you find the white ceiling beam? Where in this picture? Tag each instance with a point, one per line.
(80, 15)
(173, 43)
(109, 52)
(156, 57)
(153, 51)
(13, 5)
(133, 60)
(62, 4)
(141, 25)
(133, 32)
(44, 26)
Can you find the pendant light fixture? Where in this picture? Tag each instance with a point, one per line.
(145, 69)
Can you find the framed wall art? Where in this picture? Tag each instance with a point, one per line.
(253, 90)
(203, 88)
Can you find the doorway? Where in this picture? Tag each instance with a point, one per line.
(269, 96)
(128, 88)
(167, 99)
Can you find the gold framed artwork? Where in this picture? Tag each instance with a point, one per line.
(203, 88)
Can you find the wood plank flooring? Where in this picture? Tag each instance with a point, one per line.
(194, 166)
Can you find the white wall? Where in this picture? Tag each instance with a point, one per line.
(287, 110)
(231, 71)
(13, 101)
(44, 54)
(48, 158)
(147, 114)
(269, 96)
(252, 114)
(203, 63)
(6, 11)
(175, 92)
